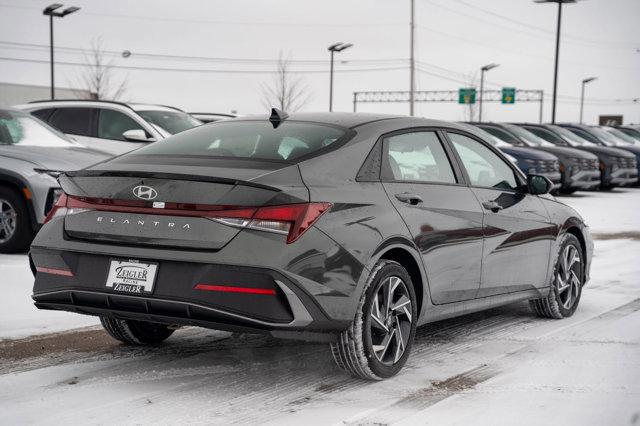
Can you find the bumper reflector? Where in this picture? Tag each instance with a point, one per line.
(54, 271)
(231, 289)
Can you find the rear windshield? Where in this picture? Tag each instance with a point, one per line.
(248, 139)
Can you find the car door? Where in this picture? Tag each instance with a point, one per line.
(77, 122)
(111, 126)
(517, 229)
(442, 214)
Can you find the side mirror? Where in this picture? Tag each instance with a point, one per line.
(539, 185)
(137, 135)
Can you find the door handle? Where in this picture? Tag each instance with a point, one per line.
(492, 205)
(408, 198)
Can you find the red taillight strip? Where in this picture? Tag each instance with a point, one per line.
(54, 271)
(232, 289)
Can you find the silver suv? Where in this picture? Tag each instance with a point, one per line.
(113, 127)
(32, 155)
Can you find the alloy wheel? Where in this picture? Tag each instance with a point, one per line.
(390, 320)
(567, 276)
(8, 221)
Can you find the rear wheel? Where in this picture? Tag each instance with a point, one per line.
(566, 285)
(15, 227)
(136, 332)
(377, 344)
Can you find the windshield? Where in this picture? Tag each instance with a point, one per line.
(621, 135)
(171, 121)
(527, 136)
(248, 139)
(607, 138)
(18, 128)
(571, 138)
(493, 140)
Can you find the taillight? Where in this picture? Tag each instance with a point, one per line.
(291, 220)
(58, 209)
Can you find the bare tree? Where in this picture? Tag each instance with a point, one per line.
(286, 92)
(98, 79)
(471, 110)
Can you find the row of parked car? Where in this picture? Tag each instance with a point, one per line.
(41, 139)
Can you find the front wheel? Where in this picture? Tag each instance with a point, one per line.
(566, 284)
(378, 342)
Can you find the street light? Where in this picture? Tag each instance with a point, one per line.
(555, 73)
(52, 11)
(584, 82)
(482, 71)
(337, 47)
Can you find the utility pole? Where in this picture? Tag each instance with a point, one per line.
(555, 71)
(51, 12)
(482, 71)
(412, 61)
(584, 82)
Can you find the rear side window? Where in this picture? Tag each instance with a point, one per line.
(75, 121)
(417, 157)
(484, 167)
(112, 124)
(249, 139)
(43, 114)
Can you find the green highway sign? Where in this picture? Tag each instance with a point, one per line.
(467, 95)
(508, 95)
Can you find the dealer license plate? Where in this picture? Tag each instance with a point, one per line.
(132, 276)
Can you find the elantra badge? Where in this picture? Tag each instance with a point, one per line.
(145, 192)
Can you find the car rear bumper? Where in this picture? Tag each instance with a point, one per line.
(77, 282)
(313, 285)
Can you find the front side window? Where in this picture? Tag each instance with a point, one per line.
(112, 124)
(546, 135)
(74, 121)
(418, 156)
(484, 167)
(248, 139)
(585, 135)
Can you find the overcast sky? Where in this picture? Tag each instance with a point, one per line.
(454, 38)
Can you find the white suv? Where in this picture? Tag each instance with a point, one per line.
(113, 127)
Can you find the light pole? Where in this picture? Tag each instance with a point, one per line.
(412, 59)
(555, 72)
(51, 12)
(584, 82)
(482, 71)
(336, 47)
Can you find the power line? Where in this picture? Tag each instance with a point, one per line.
(146, 55)
(202, 70)
(541, 29)
(223, 22)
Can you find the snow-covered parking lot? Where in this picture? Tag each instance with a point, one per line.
(500, 367)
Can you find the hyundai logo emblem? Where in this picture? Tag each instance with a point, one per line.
(145, 192)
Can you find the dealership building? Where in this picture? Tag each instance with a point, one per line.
(15, 94)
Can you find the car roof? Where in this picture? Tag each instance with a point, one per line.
(353, 119)
(94, 103)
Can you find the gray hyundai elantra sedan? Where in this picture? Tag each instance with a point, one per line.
(352, 229)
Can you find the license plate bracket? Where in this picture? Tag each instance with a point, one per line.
(132, 276)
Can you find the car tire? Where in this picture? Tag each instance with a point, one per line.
(360, 350)
(566, 283)
(136, 332)
(567, 191)
(14, 209)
